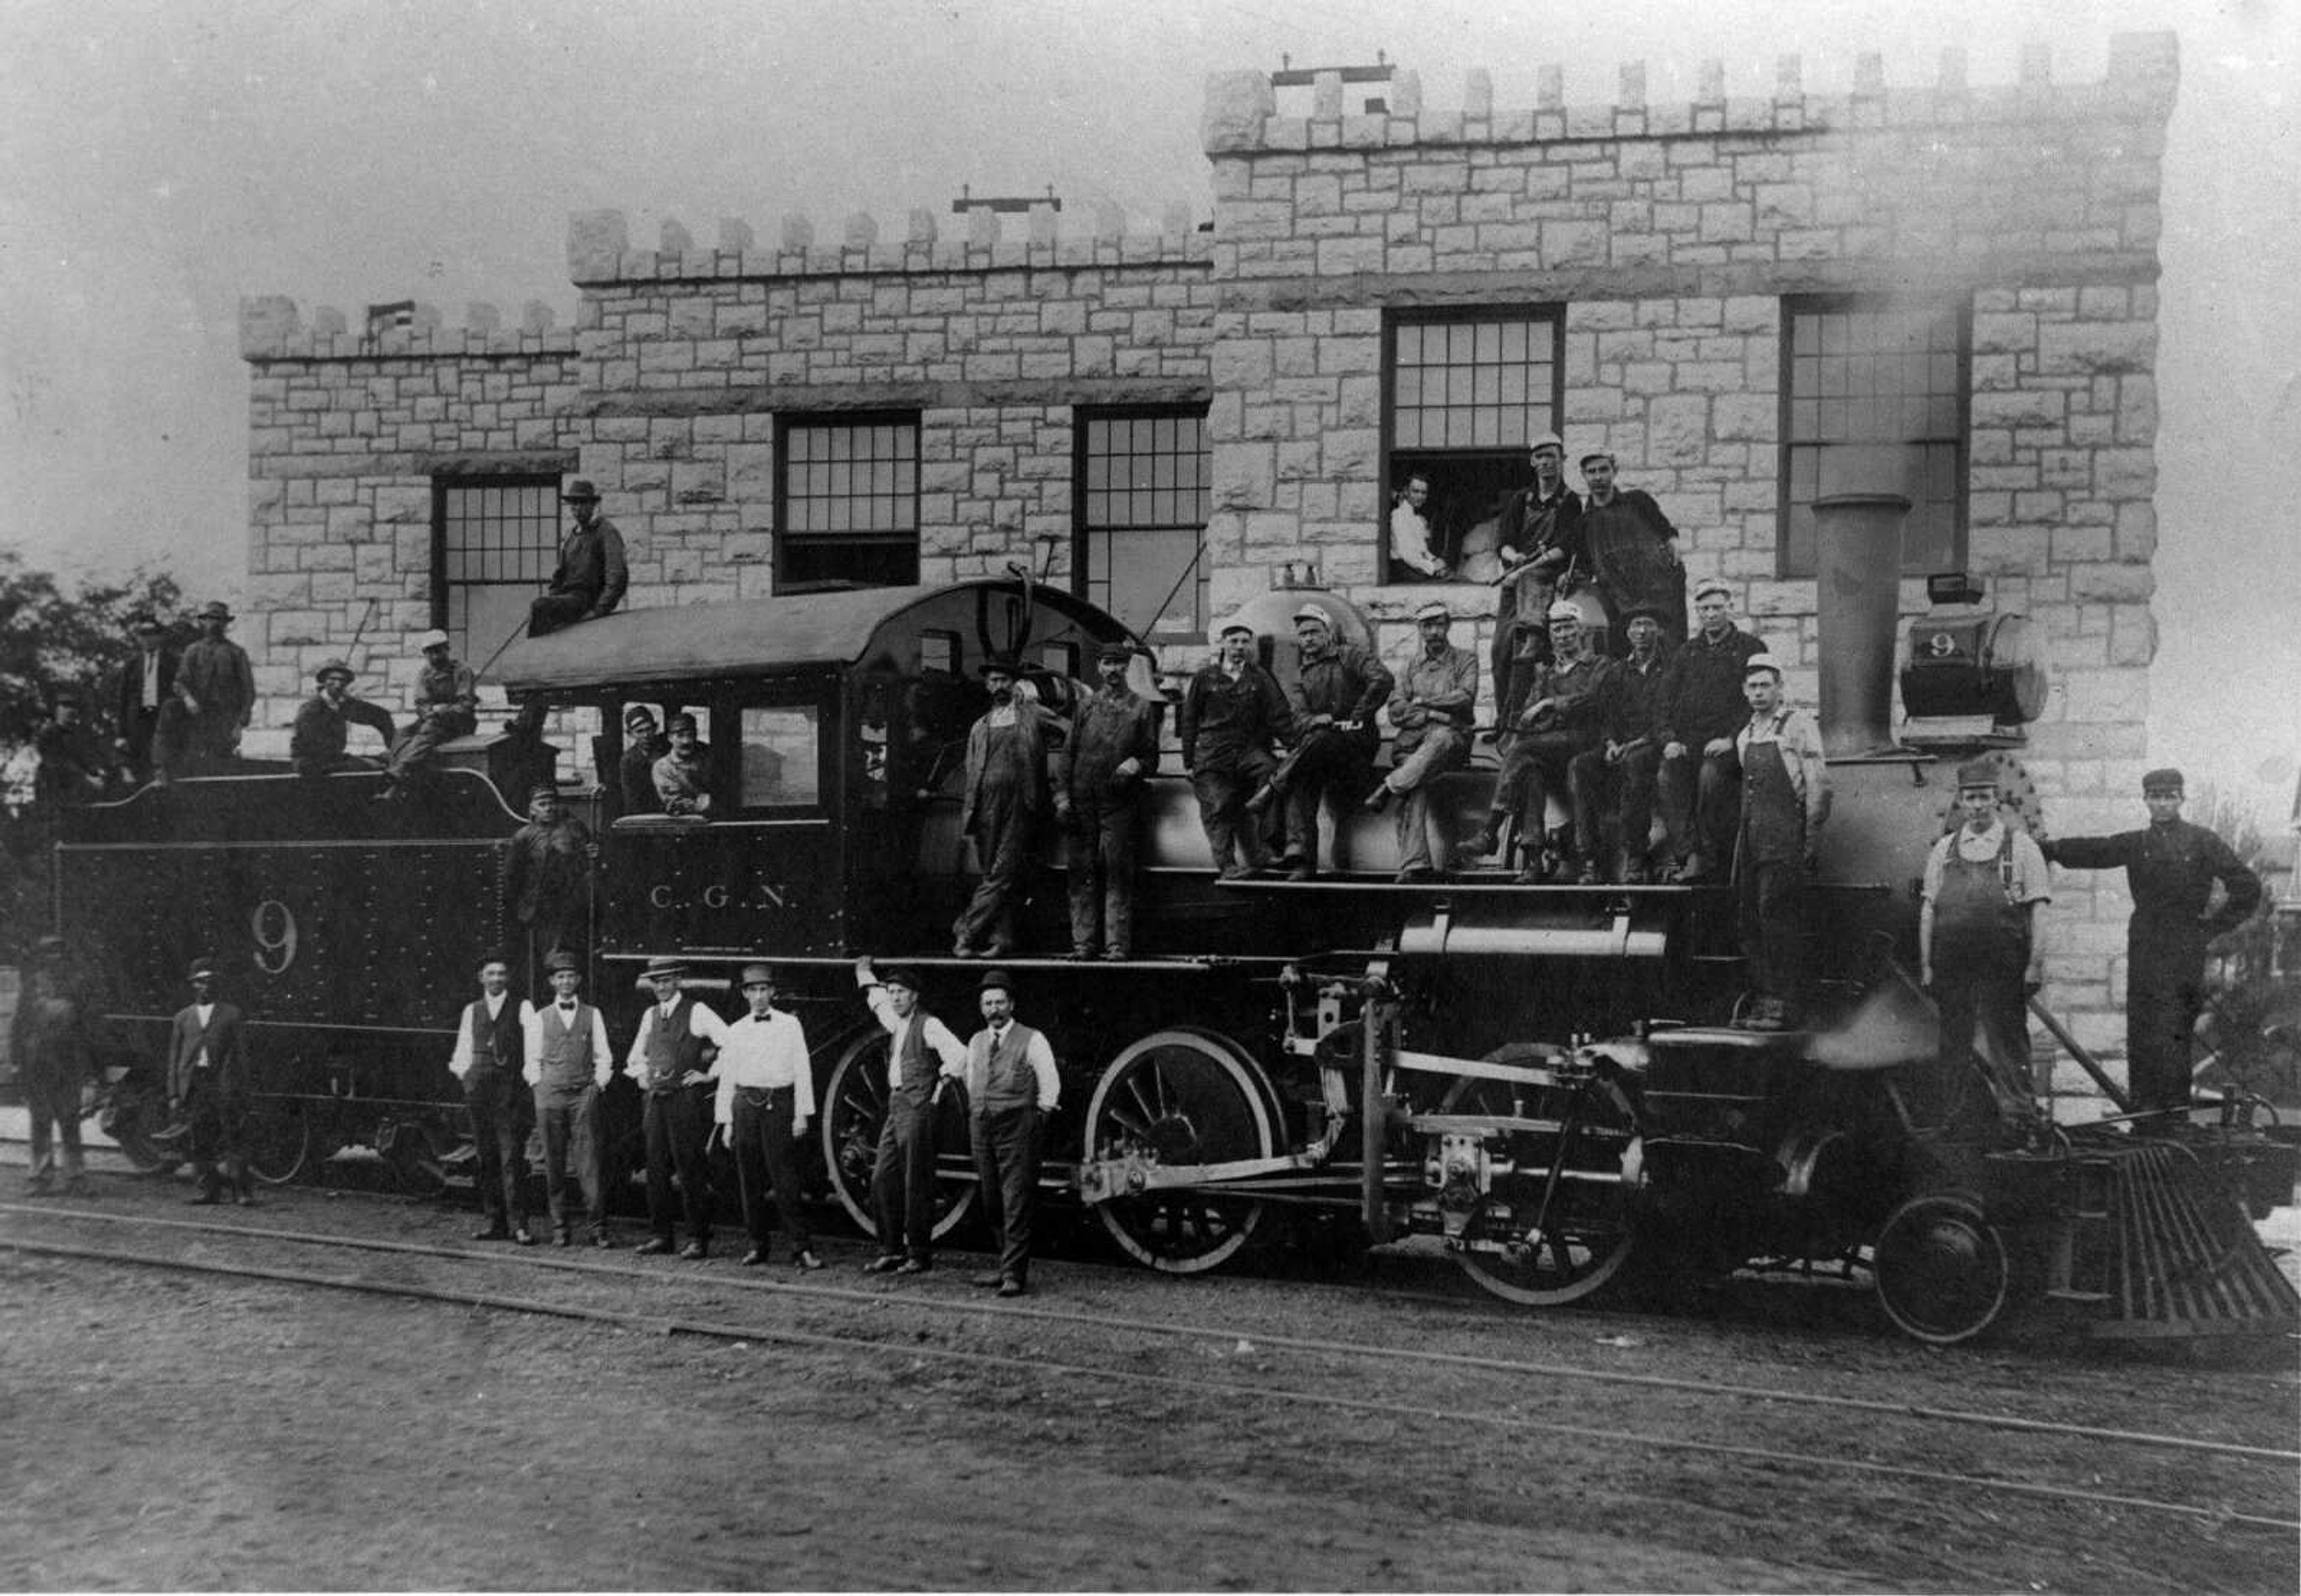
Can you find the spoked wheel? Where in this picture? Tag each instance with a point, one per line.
(1565, 1224)
(417, 1159)
(856, 1110)
(1941, 1268)
(1183, 1096)
(279, 1141)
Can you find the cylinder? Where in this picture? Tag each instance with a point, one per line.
(1858, 584)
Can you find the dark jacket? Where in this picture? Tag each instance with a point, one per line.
(1705, 691)
(226, 1041)
(1533, 527)
(546, 865)
(1630, 546)
(636, 774)
(2170, 871)
(1030, 720)
(316, 745)
(1577, 692)
(1633, 705)
(1222, 717)
(1346, 682)
(215, 672)
(130, 721)
(591, 565)
(1108, 728)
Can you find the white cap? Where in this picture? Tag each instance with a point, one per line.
(1761, 662)
(1550, 440)
(433, 639)
(1433, 611)
(1712, 584)
(1311, 611)
(1564, 610)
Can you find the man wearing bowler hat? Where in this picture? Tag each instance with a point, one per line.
(320, 741)
(922, 1053)
(1007, 781)
(1233, 712)
(765, 1098)
(671, 1061)
(447, 706)
(490, 1059)
(590, 576)
(2170, 867)
(1432, 711)
(1011, 1089)
(1338, 690)
(1980, 939)
(208, 1086)
(1100, 770)
(216, 689)
(569, 1064)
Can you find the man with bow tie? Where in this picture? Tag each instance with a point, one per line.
(568, 1063)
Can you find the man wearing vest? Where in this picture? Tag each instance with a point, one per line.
(568, 1063)
(902, 1180)
(1785, 803)
(1011, 1087)
(1979, 935)
(671, 1060)
(489, 1038)
(208, 1086)
(767, 1096)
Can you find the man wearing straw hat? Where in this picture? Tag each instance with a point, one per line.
(671, 1061)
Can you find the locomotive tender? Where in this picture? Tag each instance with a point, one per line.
(1543, 1078)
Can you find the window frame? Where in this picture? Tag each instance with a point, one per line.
(441, 585)
(784, 534)
(1959, 307)
(1390, 479)
(1084, 529)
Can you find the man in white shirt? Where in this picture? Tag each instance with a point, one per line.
(1785, 803)
(1011, 1088)
(568, 1063)
(767, 1096)
(489, 1060)
(1980, 935)
(923, 1054)
(670, 1063)
(1409, 534)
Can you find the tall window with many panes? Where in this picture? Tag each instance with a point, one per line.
(1141, 518)
(494, 543)
(1873, 399)
(847, 502)
(1467, 393)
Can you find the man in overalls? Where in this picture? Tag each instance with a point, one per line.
(2171, 867)
(1785, 803)
(1011, 1089)
(568, 1063)
(1980, 935)
(1007, 780)
(922, 1052)
(671, 1058)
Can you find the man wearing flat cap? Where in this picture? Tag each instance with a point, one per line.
(590, 576)
(1338, 689)
(671, 1061)
(1699, 783)
(1785, 801)
(1616, 778)
(1541, 539)
(319, 742)
(765, 1100)
(1012, 1088)
(215, 691)
(447, 706)
(545, 887)
(1233, 712)
(2170, 869)
(1432, 711)
(1558, 721)
(1007, 782)
(1100, 771)
(922, 1053)
(1980, 939)
(569, 1064)
(644, 743)
(1633, 552)
(209, 1087)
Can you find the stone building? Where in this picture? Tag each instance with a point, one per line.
(1747, 298)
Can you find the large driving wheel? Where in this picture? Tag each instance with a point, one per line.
(278, 1142)
(855, 1111)
(1183, 1096)
(1941, 1268)
(1565, 1224)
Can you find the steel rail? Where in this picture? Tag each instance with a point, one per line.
(1304, 1344)
(720, 1330)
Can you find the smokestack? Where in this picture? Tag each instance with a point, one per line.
(1857, 577)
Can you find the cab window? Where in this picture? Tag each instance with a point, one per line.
(780, 756)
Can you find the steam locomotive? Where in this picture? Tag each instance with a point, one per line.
(1544, 1079)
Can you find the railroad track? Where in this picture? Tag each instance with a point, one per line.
(2054, 1461)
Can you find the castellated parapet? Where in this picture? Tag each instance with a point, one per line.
(272, 327)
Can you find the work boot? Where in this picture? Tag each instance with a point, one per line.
(1484, 841)
(651, 1247)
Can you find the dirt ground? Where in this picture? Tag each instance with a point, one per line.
(164, 1430)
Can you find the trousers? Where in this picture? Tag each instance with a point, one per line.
(571, 1150)
(676, 1126)
(1222, 783)
(1104, 839)
(1625, 789)
(767, 1160)
(497, 1101)
(1002, 846)
(1772, 911)
(1441, 749)
(1701, 807)
(902, 1178)
(1006, 1172)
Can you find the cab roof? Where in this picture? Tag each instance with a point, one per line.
(750, 637)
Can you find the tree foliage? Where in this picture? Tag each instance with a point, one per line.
(57, 640)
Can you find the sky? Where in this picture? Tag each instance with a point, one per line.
(159, 159)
